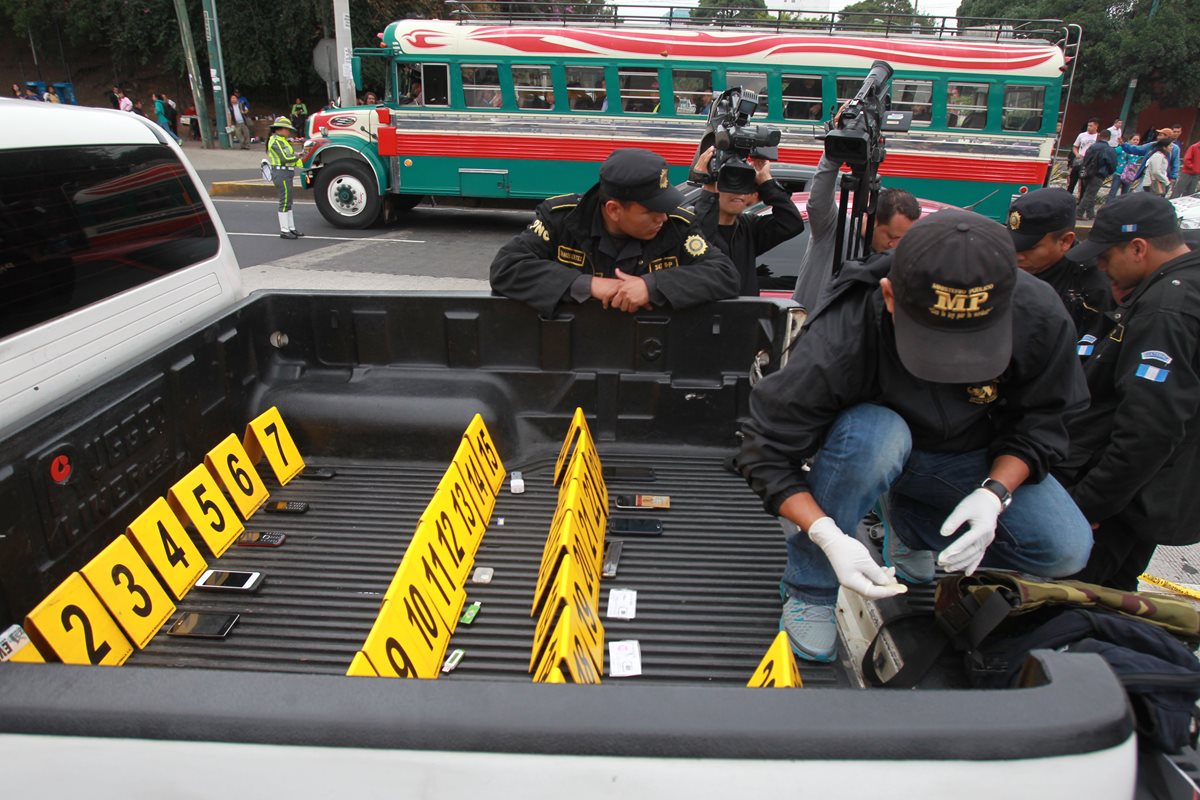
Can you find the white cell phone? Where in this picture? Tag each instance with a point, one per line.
(230, 580)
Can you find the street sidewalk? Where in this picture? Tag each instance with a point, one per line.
(233, 159)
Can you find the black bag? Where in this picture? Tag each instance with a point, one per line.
(1160, 675)
(997, 618)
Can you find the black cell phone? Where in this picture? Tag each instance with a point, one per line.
(230, 580)
(635, 526)
(207, 626)
(287, 507)
(628, 474)
(317, 473)
(261, 539)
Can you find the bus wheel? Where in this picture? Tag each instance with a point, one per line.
(346, 194)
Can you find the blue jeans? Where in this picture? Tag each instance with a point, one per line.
(868, 451)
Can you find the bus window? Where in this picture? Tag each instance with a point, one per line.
(481, 86)
(435, 85)
(534, 88)
(639, 90)
(693, 90)
(585, 89)
(802, 97)
(847, 88)
(914, 96)
(1023, 108)
(751, 81)
(966, 105)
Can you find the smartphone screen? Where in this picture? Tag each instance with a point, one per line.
(635, 526)
(209, 626)
(232, 580)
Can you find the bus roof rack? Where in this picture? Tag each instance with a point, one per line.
(831, 22)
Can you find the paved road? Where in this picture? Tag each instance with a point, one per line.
(438, 242)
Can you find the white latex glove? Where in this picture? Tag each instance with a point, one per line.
(979, 510)
(852, 562)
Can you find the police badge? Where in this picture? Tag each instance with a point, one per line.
(1014, 220)
(663, 183)
(695, 245)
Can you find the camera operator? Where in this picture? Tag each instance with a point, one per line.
(896, 212)
(854, 138)
(745, 236)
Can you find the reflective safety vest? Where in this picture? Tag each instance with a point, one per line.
(280, 152)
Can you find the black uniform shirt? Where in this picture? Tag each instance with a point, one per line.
(1085, 292)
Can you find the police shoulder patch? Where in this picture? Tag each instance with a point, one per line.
(539, 228)
(1156, 355)
(695, 245)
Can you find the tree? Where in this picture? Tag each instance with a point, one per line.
(898, 14)
(1121, 40)
(730, 11)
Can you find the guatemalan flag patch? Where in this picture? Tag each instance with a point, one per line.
(1155, 374)
(1086, 346)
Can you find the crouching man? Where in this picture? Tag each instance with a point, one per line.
(935, 382)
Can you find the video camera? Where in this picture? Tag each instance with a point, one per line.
(855, 137)
(735, 140)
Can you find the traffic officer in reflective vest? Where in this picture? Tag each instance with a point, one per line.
(283, 160)
(626, 243)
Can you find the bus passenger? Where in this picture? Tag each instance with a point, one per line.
(626, 243)
(1042, 226)
(935, 381)
(579, 99)
(895, 213)
(741, 234)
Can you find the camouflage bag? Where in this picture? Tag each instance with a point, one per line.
(968, 609)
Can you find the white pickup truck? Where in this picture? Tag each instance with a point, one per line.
(127, 352)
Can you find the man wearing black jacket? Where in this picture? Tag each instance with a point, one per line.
(936, 380)
(1042, 226)
(1135, 453)
(1099, 162)
(626, 243)
(744, 236)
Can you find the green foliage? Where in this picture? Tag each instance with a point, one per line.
(1122, 39)
(267, 47)
(730, 10)
(893, 13)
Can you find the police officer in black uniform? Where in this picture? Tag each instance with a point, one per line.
(1135, 452)
(626, 243)
(1042, 224)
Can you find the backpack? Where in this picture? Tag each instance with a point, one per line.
(1160, 675)
(1130, 172)
(996, 618)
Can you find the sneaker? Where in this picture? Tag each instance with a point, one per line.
(912, 566)
(811, 629)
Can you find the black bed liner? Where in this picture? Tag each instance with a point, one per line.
(708, 598)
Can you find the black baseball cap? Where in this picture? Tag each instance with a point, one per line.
(1141, 215)
(953, 276)
(635, 174)
(1031, 216)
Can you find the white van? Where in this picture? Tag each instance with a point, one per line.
(109, 246)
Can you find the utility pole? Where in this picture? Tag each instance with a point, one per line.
(216, 70)
(194, 77)
(345, 48)
(1133, 82)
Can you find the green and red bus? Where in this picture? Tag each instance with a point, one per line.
(530, 110)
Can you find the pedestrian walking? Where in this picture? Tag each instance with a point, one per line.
(1189, 177)
(1128, 166)
(240, 129)
(160, 116)
(283, 160)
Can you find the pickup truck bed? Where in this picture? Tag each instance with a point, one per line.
(380, 388)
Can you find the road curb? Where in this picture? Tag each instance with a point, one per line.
(251, 188)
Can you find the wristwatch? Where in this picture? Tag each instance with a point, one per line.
(1000, 490)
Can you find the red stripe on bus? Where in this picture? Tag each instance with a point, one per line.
(899, 165)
